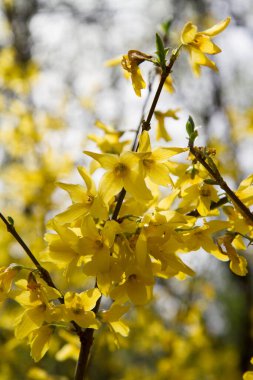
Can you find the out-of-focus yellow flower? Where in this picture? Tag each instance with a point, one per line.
(15, 76)
(70, 350)
(112, 318)
(39, 341)
(161, 132)
(6, 277)
(245, 191)
(168, 84)
(200, 43)
(109, 143)
(249, 374)
(8, 3)
(130, 63)
(113, 61)
(202, 237)
(238, 264)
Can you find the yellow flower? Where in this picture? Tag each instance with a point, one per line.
(168, 84)
(238, 264)
(63, 248)
(70, 350)
(137, 280)
(202, 237)
(113, 61)
(112, 318)
(122, 171)
(245, 191)
(109, 143)
(130, 63)
(6, 278)
(249, 374)
(96, 244)
(164, 243)
(200, 43)
(161, 132)
(153, 162)
(199, 196)
(77, 307)
(84, 200)
(36, 298)
(39, 341)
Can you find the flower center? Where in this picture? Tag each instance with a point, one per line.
(147, 162)
(120, 170)
(205, 192)
(89, 199)
(99, 243)
(132, 277)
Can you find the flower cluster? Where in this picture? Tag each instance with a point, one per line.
(135, 224)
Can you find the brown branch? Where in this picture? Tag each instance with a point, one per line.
(86, 339)
(122, 193)
(146, 123)
(150, 86)
(214, 172)
(44, 274)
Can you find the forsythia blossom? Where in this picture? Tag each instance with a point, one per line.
(199, 43)
(130, 63)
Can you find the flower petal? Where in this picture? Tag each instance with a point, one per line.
(144, 142)
(217, 28)
(188, 33)
(106, 160)
(110, 185)
(136, 186)
(90, 298)
(40, 342)
(207, 46)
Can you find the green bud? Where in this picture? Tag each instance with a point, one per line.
(190, 126)
(10, 220)
(165, 27)
(161, 52)
(210, 181)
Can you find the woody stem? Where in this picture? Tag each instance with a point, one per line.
(42, 271)
(214, 172)
(146, 123)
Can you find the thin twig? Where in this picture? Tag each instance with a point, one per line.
(214, 172)
(146, 123)
(44, 274)
(150, 86)
(86, 339)
(122, 193)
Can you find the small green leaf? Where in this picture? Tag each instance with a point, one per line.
(159, 44)
(190, 126)
(10, 220)
(192, 132)
(165, 27)
(193, 136)
(210, 181)
(161, 52)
